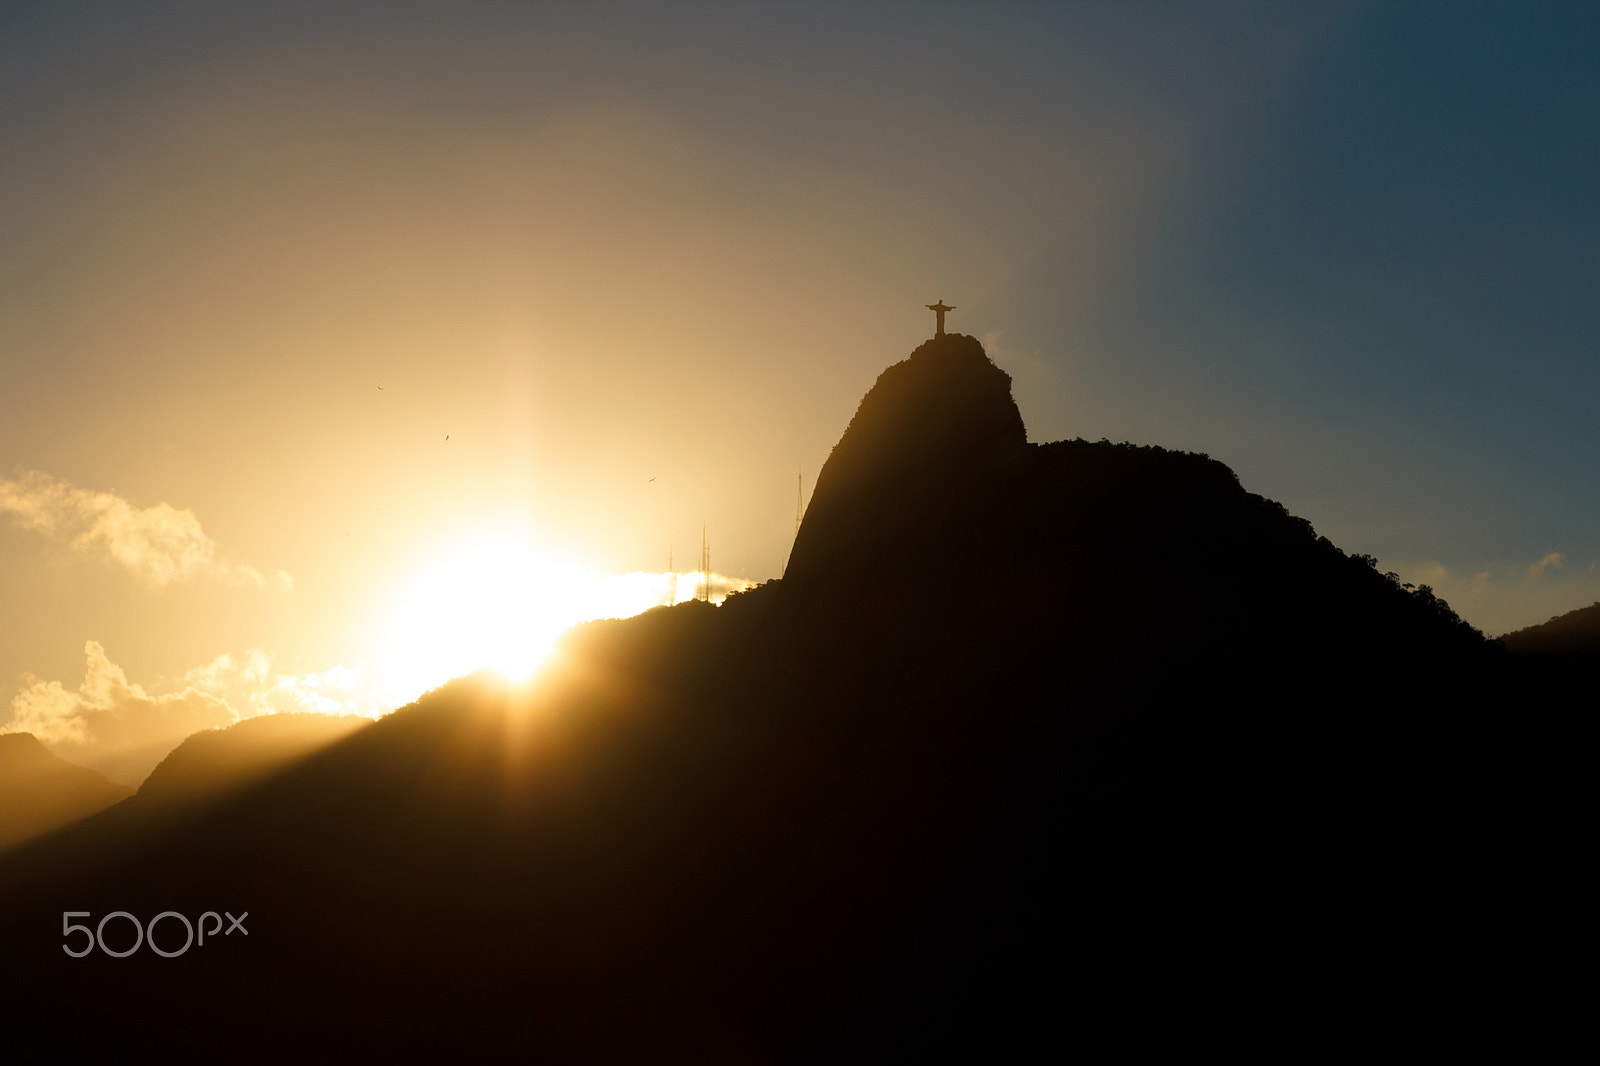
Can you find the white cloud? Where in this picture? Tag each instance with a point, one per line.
(336, 690)
(250, 685)
(117, 727)
(1554, 559)
(111, 724)
(158, 545)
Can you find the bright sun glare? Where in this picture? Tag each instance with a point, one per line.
(497, 601)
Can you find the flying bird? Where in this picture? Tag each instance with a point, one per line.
(447, 436)
(648, 482)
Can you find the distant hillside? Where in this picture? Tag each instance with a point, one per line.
(1576, 633)
(40, 792)
(1032, 746)
(219, 760)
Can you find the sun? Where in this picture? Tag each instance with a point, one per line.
(492, 600)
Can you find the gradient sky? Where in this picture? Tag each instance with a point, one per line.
(257, 262)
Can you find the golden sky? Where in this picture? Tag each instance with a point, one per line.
(315, 319)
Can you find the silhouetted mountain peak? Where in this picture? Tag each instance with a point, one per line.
(40, 791)
(21, 752)
(947, 402)
(933, 504)
(932, 438)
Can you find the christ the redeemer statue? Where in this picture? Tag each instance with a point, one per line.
(938, 310)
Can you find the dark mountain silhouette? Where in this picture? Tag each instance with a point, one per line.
(1576, 633)
(40, 792)
(1562, 653)
(1033, 746)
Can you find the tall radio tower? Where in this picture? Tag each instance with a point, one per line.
(799, 509)
(705, 566)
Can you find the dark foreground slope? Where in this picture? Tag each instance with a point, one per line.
(1032, 746)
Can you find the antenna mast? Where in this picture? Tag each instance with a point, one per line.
(705, 566)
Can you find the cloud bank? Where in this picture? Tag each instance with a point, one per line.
(109, 724)
(114, 726)
(251, 687)
(158, 545)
